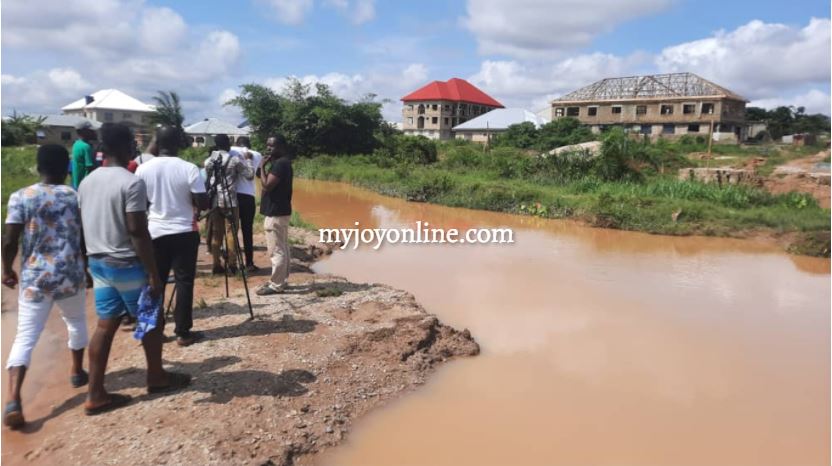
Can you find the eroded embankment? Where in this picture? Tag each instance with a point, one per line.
(267, 391)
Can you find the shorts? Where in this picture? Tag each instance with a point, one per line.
(117, 284)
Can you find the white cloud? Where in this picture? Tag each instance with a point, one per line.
(771, 64)
(815, 101)
(41, 89)
(389, 84)
(109, 44)
(294, 12)
(757, 59)
(358, 11)
(532, 86)
(545, 29)
(161, 29)
(291, 12)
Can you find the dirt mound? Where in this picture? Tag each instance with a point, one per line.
(265, 391)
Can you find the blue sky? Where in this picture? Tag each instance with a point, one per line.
(522, 52)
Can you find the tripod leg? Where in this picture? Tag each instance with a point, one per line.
(234, 228)
(170, 301)
(225, 260)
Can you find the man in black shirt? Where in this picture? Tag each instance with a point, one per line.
(276, 205)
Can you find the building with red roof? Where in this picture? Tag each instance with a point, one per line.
(434, 109)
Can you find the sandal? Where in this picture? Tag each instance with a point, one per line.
(80, 379)
(13, 415)
(176, 381)
(116, 401)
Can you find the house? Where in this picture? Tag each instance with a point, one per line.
(201, 134)
(483, 127)
(60, 129)
(666, 105)
(436, 108)
(114, 106)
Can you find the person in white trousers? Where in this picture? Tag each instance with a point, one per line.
(52, 271)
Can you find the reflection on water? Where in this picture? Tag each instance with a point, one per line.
(599, 346)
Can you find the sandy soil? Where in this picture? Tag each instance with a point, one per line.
(801, 175)
(273, 390)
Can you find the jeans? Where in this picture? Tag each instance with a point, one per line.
(277, 239)
(247, 208)
(179, 252)
(31, 319)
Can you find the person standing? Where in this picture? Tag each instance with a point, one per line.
(246, 201)
(83, 156)
(175, 188)
(224, 171)
(276, 205)
(113, 205)
(46, 216)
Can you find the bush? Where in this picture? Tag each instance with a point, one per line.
(406, 149)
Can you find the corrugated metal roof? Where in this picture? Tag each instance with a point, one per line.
(67, 120)
(500, 119)
(215, 126)
(112, 99)
(455, 89)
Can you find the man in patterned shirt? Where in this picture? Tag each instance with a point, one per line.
(224, 171)
(46, 215)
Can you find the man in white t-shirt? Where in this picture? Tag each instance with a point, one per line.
(176, 193)
(246, 200)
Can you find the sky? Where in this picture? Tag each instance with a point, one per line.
(521, 52)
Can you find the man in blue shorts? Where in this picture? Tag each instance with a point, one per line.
(113, 205)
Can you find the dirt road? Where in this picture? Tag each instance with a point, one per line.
(269, 391)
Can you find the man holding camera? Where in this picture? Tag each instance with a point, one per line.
(276, 205)
(224, 171)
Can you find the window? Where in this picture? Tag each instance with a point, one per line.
(447, 107)
(66, 135)
(707, 109)
(668, 129)
(641, 110)
(592, 111)
(126, 116)
(666, 109)
(108, 116)
(434, 120)
(616, 110)
(646, 129)
(559, 111)
(434, 107)
(573, 111)
(409, 120)
(446, 121)
(693, 128)
(689, 109)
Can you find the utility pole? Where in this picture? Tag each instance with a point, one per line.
(710, 142)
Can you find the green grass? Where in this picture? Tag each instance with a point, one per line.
(18, 165)
(650, 205)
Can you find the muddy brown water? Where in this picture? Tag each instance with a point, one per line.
(598, 346)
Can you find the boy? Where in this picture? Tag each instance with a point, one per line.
(51, 271)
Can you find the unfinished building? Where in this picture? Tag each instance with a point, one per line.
(434, 109)
(659, 105)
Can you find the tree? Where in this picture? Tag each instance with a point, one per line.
(521, 135)
(562, 132)
(168, 110)
(789, 120)
(20, 129)
(312, 118)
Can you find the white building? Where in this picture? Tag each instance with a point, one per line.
(483, 127)
(113, 106)
(202, 133)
